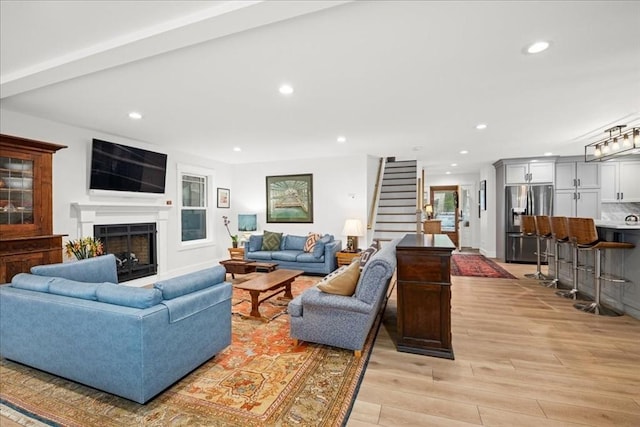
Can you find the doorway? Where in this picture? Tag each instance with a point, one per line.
(444, 200)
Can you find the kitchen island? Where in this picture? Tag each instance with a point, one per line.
(623, 297)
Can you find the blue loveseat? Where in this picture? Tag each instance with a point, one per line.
(291, 255)
(73, 320)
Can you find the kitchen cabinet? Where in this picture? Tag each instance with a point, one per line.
(581, 203)
(530, 173)
(26, 221)
(577, 175)
(620, 182)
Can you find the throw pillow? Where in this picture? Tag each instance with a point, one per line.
(312, 238)
(367, 254)
(342, 283)
(271, 241)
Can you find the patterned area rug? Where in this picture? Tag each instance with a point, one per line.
(260, 380)
(477, 266)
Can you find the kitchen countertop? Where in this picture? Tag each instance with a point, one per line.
(618, 225)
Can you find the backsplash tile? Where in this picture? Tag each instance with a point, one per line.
(618, 211)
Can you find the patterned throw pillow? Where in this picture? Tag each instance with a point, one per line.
(343, 281)
(271, 241)
(367, 254)
(311, 241)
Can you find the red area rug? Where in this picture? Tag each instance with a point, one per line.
(260, 380)
(477, 266)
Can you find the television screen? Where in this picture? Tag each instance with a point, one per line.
(118, 167)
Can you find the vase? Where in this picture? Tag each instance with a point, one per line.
(234, 244)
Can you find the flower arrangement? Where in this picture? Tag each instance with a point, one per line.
(84, 247)
(234, 237)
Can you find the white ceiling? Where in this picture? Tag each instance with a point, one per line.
(409, 79)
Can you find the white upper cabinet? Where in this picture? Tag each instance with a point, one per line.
(530, 173)
(620, 182)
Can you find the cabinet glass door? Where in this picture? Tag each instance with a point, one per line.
(16, 191)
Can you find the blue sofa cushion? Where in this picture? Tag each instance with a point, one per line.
(261, 255)
(91, 270)
(194, 303)
(294, 243)
(318, 249)
(308, 257)
(128, 296)
(71, 288)
(191, 282)
(31, 282)
(255, 243)
(285, 255)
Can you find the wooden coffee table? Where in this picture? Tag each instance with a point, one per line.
(234, 266)
(278, 281)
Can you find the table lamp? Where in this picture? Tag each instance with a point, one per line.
(352, 229)
(428, 209)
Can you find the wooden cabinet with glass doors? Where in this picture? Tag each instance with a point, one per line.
(26, 222)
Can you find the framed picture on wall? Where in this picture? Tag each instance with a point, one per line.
(290, 198)
(483, 195)
(224, 198)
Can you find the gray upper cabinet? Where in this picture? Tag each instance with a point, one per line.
(620, 182)
(533, 172)
(577, 175)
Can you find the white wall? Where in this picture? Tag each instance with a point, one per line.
(339, 192)
(488, 217)
(71, 177)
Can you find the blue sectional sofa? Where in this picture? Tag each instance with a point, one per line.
(291, 255)
(74, 321)
(345, 321)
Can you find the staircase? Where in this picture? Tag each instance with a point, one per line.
(397, 204)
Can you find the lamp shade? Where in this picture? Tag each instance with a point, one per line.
(353, 227)
(428, 209)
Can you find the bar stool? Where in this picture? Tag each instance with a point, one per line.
(543, 232)
(586, 236)
(560, 234)
(528, 228)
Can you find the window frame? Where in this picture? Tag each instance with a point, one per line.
(208, 175)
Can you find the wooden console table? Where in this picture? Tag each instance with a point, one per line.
(424, 294)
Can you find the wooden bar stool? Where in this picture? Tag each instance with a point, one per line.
(586, 236)
(528, 228)
(543, 232)
(560, 234)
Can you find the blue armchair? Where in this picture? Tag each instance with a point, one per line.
(344, 321)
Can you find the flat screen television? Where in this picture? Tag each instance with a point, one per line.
(116, 167)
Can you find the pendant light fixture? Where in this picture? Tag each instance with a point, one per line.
(618, 142)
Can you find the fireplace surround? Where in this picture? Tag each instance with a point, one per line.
(92, 214)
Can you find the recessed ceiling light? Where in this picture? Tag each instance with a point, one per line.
(237, 149)
(135, 115)
(538, 47)
(481, 126)
(548, 153)
(464, 152)
(454, 164)
(341, 139)
(286, 89)
(448, 173)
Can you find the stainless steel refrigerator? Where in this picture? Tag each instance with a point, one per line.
(524, 200)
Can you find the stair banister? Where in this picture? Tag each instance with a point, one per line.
(374, 201)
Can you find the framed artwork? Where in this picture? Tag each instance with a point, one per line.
(483, 195)
(247, 222)
(224, 198)
(290, 198)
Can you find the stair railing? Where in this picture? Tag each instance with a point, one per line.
(374, 201)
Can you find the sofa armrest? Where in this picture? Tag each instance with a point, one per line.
(330, 251)
(314, 297)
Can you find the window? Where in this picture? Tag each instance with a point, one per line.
(195, 204)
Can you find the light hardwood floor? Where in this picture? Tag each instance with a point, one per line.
(523, 357)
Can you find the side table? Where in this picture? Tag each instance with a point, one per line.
(345, 258)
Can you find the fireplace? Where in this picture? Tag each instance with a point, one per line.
(134, 246)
